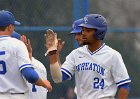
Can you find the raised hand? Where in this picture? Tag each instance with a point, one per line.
(51, 41)
(28, 45)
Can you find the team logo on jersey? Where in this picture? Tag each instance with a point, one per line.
(92, 67)
(85, 20)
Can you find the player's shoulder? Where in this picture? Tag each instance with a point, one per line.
(15, 41)
(111, 50)
(79, 49)
(38, 64)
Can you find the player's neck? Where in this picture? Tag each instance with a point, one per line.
(93, 47)
(3, 33)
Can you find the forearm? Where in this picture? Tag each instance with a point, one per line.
(55, 67)
(53, 57)
(58, 58)
(40, 82)
(123, 93)
(30, 56)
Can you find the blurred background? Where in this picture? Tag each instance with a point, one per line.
(123, 34)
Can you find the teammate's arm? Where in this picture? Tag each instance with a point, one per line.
(28, 45)
(54, 48)
(59, 49)
(26, 67)
(121, 76)
(123, 91)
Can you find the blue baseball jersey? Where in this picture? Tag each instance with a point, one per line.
(13, 58)
(97, 74)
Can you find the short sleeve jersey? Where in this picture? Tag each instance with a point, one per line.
(98, 73)
(13, 58)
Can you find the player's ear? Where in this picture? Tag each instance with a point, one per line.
(10, 27)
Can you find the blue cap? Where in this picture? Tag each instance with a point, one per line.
(16, 35)
(7, 18)
(75, 27)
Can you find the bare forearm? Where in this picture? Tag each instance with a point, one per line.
(53, 57)
(40, 82)
(44, 83)
(58, 58)
(30, 56)
(55, 67)
(123, 93)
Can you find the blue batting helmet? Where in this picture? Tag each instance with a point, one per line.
(97, 22)
(16, 35)
(76, 28)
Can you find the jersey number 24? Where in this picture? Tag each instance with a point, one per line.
(98, 84)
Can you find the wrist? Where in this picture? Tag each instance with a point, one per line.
(53, 52)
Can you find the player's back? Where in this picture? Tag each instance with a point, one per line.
(11, 80)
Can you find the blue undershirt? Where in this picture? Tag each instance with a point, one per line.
(30, 74)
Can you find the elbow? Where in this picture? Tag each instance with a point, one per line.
(30, 75)
(57, 80)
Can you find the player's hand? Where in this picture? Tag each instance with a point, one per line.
(51, 41)
(28, 45)
(48, 85)
(60, 45)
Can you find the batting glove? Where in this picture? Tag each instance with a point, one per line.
(51, 41)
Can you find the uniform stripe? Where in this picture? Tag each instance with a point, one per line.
(4, 36)
(67, 72)
(25, 65)
(2, 52)
(123, 82)
(96, 50)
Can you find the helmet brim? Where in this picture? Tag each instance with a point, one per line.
(76, 31)
(17, 23)
(86, 26)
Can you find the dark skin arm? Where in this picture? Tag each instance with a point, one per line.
(123, 93)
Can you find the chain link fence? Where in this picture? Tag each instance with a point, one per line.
(37, 15)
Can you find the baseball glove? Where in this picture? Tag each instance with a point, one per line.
(51, 41)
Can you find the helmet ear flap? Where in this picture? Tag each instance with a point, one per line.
(99, 35)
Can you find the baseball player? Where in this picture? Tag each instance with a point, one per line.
(77, 31)
(35, 92)
(99, 70)
(15, 63)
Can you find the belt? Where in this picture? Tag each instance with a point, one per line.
(16, 93)
(11, 93)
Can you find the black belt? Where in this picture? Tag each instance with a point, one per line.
(16, 93)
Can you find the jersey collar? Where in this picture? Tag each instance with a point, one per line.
(4, 36)
(96, 50)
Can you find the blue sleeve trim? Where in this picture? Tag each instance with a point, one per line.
(2, 52)
(64, 76)
(34, 88)
(30, 74)
(24, 66)
(67, 72)
(123, 82)
(126, 86)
